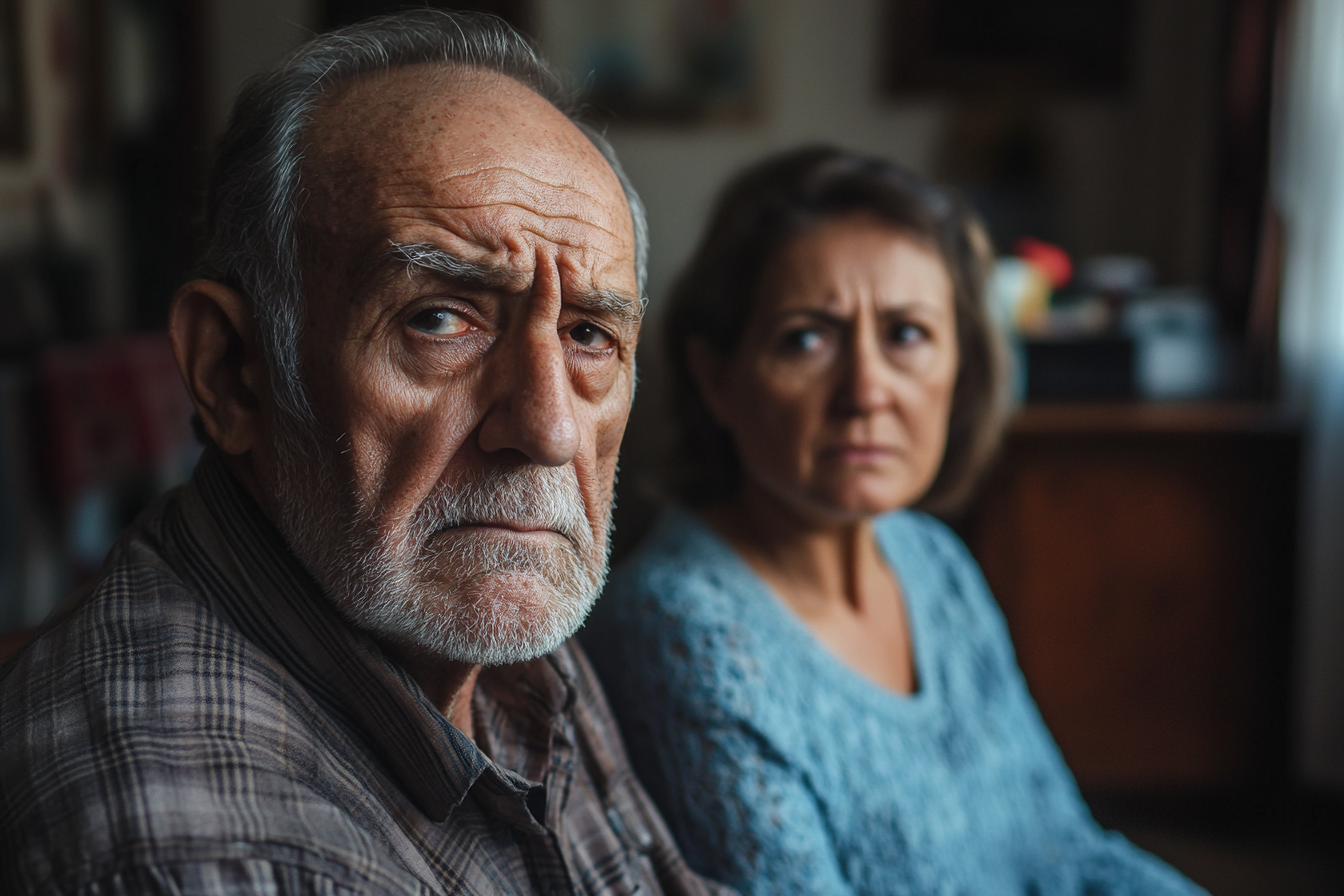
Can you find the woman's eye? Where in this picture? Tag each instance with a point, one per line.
(908, 334)
(802, 340)
(590, 336)
(439, 322)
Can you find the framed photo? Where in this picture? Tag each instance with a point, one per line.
(979, 46)
(659, 60)
(13, 105)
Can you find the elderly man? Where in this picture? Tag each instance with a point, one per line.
(412, 358)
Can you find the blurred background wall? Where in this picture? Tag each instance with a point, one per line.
(1165, 540)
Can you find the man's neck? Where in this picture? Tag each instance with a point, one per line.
(447, 683)
(243, 469)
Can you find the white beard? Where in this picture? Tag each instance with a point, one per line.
(452, 594)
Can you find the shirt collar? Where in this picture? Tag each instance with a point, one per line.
(242, 564)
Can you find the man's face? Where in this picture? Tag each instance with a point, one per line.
(455, 495)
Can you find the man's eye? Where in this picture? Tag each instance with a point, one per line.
(439, 322)
(590, 336)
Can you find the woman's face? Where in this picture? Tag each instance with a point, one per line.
(839, 394)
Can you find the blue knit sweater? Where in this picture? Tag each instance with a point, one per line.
(783, 771)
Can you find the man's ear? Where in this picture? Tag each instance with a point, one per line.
(708, 369)
(214, 339)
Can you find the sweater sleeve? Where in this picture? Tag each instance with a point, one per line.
(1109, 865)
(746, 817)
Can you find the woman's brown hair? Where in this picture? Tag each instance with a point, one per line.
(760, 211)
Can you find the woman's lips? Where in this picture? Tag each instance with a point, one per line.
(860, 455)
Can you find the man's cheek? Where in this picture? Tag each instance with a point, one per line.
(608, 434)
(404, 455)
(596, 475)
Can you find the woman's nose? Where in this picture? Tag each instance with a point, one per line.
(863, 384)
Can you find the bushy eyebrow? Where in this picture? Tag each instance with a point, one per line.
(615, 304)
(424, 256)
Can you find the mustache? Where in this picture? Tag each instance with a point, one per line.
(528, 497)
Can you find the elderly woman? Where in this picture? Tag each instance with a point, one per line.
(814, 681)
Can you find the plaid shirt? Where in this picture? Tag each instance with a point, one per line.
(201, 721)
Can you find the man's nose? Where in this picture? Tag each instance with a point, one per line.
(531, 399)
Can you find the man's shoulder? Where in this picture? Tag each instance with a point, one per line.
(140, 727)
(105, 652)
(123, 654)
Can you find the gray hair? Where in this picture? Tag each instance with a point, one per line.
(254, 200)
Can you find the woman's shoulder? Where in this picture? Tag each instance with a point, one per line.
(681, 571)
(923, 547)
(686, 618)
(934, 540)
(942, 582)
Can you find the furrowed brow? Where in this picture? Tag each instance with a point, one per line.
(614, 304)
(427, 257)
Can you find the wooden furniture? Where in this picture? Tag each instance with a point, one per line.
(1143, 556)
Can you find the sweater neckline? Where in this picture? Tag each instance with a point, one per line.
(774, 607)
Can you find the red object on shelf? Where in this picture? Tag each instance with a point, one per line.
(112, 409)
(1052, 261)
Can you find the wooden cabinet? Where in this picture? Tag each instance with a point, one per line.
(1143, 556)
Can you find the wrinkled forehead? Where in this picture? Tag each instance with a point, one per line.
(461, 147)
(840, 260)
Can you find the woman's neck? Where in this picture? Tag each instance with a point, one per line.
(811, 561)
(832, 575)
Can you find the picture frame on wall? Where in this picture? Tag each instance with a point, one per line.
(659, 61)
(989, 46)
(13, 101)
(636, 61)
